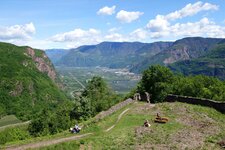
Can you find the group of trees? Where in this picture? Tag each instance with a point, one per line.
(51, 121)
(96, 97)
(160, 81)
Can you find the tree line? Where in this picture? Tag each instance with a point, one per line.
(161, 81)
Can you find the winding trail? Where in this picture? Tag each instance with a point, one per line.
(66, 139)
(47, 143)
(14, 125)
(118, 119)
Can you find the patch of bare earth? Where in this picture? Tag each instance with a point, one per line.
(144, 108)
(196, 128)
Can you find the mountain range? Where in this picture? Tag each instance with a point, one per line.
(178, 55)
(55, 54)
(211, 63)
(111, 54)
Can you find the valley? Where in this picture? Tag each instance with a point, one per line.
(112, 75)
(120, 80)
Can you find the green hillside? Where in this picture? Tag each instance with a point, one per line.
(189, 127)
(184, 49)
(27, 82)
(211, 64)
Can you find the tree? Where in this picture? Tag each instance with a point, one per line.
(51, 122)
(98, 93)
(156, 80)
(82, 109)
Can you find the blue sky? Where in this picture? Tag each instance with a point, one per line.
(71, 23)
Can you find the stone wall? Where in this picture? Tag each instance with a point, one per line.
(220, 106)
(113, 109)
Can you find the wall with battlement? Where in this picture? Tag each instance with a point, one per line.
(220, 106)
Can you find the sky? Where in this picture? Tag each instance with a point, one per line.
(46, 24)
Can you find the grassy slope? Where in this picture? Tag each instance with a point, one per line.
(8, 120)
(190, 127)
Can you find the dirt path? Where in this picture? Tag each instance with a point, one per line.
(47, 143)
(14, 125)
(110, 128)
(57, 141)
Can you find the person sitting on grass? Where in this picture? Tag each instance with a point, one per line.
(146, 123)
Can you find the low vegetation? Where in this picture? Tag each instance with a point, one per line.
(189, 127)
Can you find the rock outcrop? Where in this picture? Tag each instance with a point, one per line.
(42, 63)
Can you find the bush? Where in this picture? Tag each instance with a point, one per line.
(14, 134)
(51, 122)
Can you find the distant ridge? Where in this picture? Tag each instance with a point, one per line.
(111, 54)
(183, 55)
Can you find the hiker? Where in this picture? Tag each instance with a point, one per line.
(76, 128)
(146, 123)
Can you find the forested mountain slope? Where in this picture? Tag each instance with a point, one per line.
(27, 81)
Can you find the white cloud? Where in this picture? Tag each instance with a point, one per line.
(128, 17)
(17, 32)
(203, 27)
(78, 37)
(139, 35)
(107, 10)
(190, 10)
(75, 35)
(115, 37)
(158, 24)
(162, 25)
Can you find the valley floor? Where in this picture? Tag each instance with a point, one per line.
(189, 127)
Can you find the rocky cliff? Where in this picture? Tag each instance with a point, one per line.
(42, 63)
(27, 82)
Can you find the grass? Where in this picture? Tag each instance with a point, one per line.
(189, 127)
(206, 124)
(9, 120)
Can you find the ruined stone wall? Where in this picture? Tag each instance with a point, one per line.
(220, 106)
(113, 109)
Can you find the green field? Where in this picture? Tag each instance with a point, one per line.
(9, 120)
(119, 80)
(189, 127)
